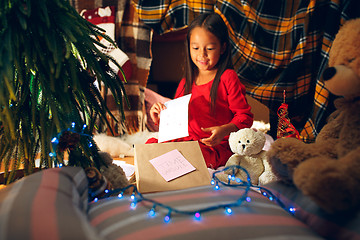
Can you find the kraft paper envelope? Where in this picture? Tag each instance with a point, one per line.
(148, 179)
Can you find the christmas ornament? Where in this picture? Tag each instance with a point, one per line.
(285, 128)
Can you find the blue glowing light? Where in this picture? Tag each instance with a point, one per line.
(197, 216)
(152, 213)
(72, 124)
(55, 140)
(248, 199)
(133, 205)
(120, 195)
(228, 211)
(167, 219)
(292, 210)
(212, 182)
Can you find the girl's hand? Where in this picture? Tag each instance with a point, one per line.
(155, 111)
(217, 134)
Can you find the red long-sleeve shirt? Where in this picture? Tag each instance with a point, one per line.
(231, 107)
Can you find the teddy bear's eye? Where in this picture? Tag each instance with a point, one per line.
(248, 141)
(350, 60)
(239, 141)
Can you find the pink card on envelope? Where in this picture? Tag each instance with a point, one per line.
(172, 165)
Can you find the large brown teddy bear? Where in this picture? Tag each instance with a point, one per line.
(328, 170)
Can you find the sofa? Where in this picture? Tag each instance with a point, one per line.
(54, 204)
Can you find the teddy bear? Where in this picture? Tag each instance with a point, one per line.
(328, 170)
(247, 145)
(108, 177)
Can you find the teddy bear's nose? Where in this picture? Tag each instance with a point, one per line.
(329, 73)
(243, 146)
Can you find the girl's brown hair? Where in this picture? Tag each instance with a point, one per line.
(213, 23)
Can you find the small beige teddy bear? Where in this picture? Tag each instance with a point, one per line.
(247, 145)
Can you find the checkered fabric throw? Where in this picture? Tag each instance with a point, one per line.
(277, 46)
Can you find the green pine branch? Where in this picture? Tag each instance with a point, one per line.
(48, 65)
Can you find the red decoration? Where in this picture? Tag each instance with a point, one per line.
(105, 19)
(285, 128)
(68, 140)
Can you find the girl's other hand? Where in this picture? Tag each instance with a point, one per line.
(217, 135)
(155, 111)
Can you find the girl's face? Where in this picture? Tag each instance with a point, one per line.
(205, 49)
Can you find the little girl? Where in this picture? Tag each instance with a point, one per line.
(218, 105)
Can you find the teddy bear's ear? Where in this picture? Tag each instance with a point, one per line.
(261, 133)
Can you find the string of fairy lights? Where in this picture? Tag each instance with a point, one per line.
(136, 197)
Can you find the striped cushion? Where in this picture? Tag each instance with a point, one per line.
(49, 204)
(330, 226)
(260, 218)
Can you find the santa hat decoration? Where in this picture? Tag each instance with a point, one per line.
(105, 19)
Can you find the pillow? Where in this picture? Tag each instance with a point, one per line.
(116, 218)
(49, 204)
(330, 226)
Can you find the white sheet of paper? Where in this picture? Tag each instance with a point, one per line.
(174, 119)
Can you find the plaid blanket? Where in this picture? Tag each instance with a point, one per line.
(134, 38)
(277, 46)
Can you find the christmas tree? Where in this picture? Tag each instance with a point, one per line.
(49, 69)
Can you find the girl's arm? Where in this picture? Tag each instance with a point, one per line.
(243, 117)
(235, 92)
